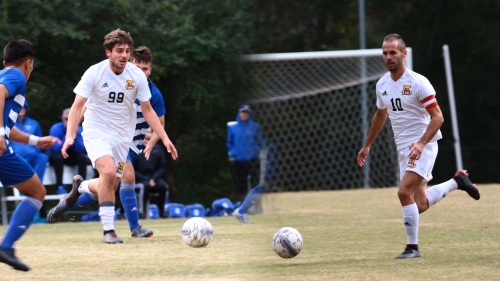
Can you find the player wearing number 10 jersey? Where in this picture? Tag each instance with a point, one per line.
(409, 100)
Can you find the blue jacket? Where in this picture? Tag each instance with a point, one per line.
(59, 131)
(29, 126)
(244, 139)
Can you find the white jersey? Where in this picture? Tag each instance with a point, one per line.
(407, 101)
(110, 99)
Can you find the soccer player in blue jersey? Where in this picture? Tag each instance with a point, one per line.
(15, 171)
(142, 58)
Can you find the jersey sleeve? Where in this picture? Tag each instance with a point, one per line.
(426, 94)
(86, 84)
(380, 103)
(157, 101)
(15, 82)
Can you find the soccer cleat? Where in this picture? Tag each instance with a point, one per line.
(68, 201)
(111, 238)
(55, 213)
(73, 195)
(462, 179)
(243, 218)
(140, 232)
(409, 254)
(9, 258)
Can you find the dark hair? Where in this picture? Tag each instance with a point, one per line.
(394, 36)
(18, 51)
(117, 36)
(142, 54)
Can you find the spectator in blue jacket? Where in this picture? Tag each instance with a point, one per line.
(244, 143)
(34, 155)
(77, 153)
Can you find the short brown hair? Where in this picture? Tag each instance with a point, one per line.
(117, 36)
(142, 54)
(394, 36)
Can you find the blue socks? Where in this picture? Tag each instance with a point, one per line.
(254, 194)
(20, 222)
(129, 203)
(85, 199)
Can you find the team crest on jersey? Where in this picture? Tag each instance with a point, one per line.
(411, 164)
(406, 90)
(120, 168)
(130, 85)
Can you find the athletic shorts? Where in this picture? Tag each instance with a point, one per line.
(14, 169)
(98, 146)
(423, 166)
(131, 156)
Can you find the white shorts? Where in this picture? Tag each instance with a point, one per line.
(423, 166)
(98, 146)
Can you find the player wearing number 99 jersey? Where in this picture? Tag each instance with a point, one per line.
(108, 90)
(111, 104)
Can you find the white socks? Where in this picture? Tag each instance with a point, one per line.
(438, 192)
(84, 187)
(107, 214)
(410, 220)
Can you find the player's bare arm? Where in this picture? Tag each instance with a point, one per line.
(73, 121)
(153, 121)
(4, 94)
(377, 124)
(82, 113)
(437, 120)
(41, 142)
(154, 138)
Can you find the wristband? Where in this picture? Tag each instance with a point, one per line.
(2, 131)
(33, 140)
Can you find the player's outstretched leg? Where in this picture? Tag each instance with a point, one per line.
(462, 179)
(67, 202)
(129, 204)
(9, 258)
(241, 212)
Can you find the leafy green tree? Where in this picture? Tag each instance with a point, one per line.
(195, 46)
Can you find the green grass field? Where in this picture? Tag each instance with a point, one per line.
(348, 235)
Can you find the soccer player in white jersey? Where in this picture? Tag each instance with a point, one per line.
(142, 58)
(409, 100)
(15, 171)
(108, 90)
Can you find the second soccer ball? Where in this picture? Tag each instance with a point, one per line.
(287, 242)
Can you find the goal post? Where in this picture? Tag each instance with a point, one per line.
(315, 110)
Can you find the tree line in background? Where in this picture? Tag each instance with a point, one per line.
(196, 45)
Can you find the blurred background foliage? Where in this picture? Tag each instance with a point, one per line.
(196, 44)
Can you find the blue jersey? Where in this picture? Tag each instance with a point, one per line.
(15, 82)
(14, 168)
(142, 126)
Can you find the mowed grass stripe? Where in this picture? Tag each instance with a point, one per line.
(348, 235)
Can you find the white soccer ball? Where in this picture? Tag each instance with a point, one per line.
(197, 232)
(287, 242)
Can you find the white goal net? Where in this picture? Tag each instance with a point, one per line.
(315, 110)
